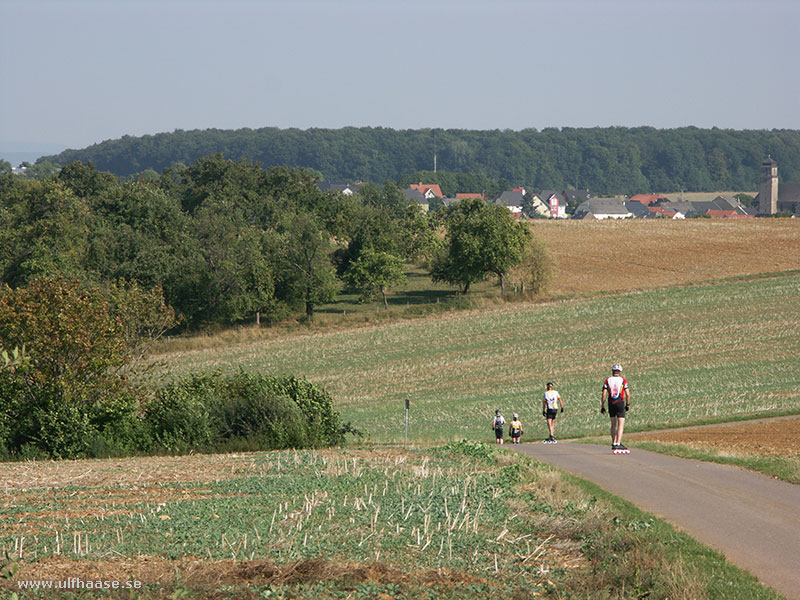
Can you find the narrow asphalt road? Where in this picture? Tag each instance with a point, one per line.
(752, 519)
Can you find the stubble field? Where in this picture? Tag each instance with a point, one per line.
(617, 256)
(461, 522)
(691, 354)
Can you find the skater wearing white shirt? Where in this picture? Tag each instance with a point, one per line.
(615, 389)
(550, 405)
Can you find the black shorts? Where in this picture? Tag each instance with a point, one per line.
(616, 409)
(552, 413)
(498, 433)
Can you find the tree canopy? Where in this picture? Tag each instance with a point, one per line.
(226, 241)
(609, 160)
(481, 239)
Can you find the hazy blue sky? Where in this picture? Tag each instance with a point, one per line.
(77, 72)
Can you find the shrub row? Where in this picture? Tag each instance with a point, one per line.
(200, 413)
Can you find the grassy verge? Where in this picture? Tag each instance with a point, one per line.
(639, 556)
(463, 521)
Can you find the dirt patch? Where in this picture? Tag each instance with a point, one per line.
(137, 472)
(762, 438)
(196, 572)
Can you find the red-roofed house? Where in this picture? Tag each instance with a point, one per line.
(648, 199)
(468, 196)
(669, 214)
(431, 190)
(728, 214)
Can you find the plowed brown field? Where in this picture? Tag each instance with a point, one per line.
(764, 438)
(595, 256)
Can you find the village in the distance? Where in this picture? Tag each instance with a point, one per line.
(772, 199)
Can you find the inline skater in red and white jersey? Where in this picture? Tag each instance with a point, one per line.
(615, 389)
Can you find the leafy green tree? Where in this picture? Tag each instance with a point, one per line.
(389, 198)
(216, 177)
(9, 360)
(481, 239)
(375, 272)
(236, 276)
(417, 234)
(45, 231)
(5, 167)
(85, 180)
(610, 160)
(372, 228)
(43, 169)
(307, 273)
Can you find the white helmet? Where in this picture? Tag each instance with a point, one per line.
(617, 367)
(516, 416)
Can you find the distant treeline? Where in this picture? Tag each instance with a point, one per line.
(611, 160)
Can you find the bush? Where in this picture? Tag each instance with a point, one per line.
(470, 448)
(243, 412)
(69, 397)
(538, 268)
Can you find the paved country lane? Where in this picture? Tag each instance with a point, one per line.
(752, 519)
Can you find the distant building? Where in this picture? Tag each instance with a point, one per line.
(556, 202)
(659, 210)
(415, 197)
(429, 190)
(576, 197)
(346, 188)
(512, 200)
(773, 198)
(603, 208)
(768, 187)
(639, 210)
(648, 199)
(685, 209)
(722, 206)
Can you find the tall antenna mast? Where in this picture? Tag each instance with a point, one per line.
(434, 152)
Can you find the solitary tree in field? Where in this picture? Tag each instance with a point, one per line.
(481, 239)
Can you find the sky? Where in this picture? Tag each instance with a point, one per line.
(78, 72)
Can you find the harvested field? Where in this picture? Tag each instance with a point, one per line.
(335, 519)
(780, 437)
(131, 473)
(616, 256)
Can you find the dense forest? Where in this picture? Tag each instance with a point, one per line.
(613, 160)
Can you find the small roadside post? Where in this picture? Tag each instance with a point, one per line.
(405, 438)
